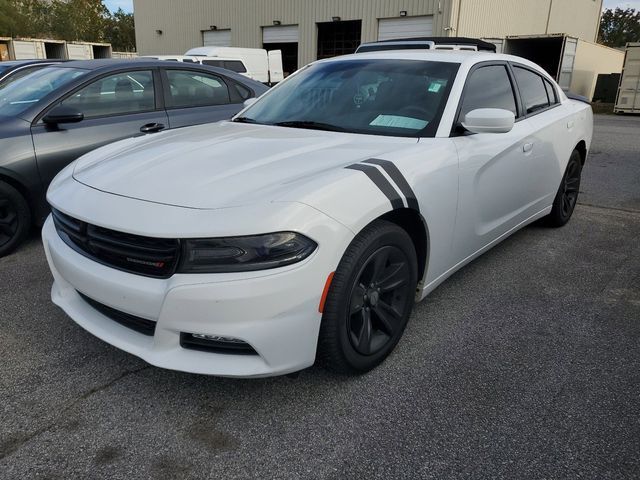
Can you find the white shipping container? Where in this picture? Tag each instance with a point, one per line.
(628, 99)
(574, 63)
(79, 51)
(27, 49)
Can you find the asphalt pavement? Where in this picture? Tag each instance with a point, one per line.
(525, 364)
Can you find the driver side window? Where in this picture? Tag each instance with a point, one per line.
(123, 93)
(488, 87)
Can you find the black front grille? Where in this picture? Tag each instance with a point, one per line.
(152, 257)
(141, 325)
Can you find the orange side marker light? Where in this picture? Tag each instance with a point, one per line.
(325, 292)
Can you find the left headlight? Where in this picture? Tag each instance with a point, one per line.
(241, 254)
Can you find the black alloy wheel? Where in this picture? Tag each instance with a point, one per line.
(369, 300)
(15, 218)
(8, 221)
(377, 299)
(570, 188)
(567, 195)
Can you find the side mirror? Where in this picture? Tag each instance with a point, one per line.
(489, 120)
(63, 114)
(249, 101)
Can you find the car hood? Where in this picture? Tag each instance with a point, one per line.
(225, 164)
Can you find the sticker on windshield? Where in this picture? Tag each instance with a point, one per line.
(435, 87)
(397, 121)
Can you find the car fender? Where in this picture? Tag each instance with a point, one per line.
(423, 177)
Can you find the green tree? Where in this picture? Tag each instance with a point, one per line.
(120, 32)
(25, 18)
(81, 20)
(617, 27)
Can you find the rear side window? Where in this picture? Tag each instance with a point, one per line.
(489, 87)
(532, 89)
(551, 92)
(213, 63)
(235, 66)
(196, 89)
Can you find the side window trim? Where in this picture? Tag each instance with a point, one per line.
(514, 87)
(544, 79)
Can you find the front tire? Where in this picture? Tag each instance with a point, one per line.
(369, 300)
(567, 195)
(15, 218)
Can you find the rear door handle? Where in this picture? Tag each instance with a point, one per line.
(527, 147)
(152, 127)
(570, 124)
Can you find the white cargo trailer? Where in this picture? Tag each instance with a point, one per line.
(573, 62)
(628, 99)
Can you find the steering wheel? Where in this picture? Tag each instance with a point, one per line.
(413, 111)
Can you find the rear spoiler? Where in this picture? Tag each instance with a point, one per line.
(575, 96)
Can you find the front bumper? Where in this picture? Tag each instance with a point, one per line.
(275, 312)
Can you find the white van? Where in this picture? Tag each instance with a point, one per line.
(174, 58)
(255, 63)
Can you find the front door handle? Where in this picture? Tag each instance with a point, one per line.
(152, 127)
(527, 147)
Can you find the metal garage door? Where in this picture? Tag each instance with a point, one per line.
(216, 38)
(405, 27)
(279, 34)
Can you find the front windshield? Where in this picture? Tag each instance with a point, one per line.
(371, 96)
(17, 96)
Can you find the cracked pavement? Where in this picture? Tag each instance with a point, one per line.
(525, 364)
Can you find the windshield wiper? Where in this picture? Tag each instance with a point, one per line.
(244, 120)
(311, 125)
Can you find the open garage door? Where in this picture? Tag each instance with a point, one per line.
(285, 39)
(405, 27)
(216, 38)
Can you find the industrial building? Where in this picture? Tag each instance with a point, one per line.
(558, 34)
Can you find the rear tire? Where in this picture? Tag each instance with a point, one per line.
(567, 195)
(369, 300)
(15, 218)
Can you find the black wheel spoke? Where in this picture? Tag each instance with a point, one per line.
(364, 337)
(357, 299)
(380, 265)
(395, 277)
(388, 317)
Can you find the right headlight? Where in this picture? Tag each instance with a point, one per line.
(242, 254)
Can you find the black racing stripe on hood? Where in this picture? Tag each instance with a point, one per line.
(381, 182)
(398, 179)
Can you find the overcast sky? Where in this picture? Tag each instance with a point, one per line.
(127, 5)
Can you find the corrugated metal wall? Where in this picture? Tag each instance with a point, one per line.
(501, 18)
(182, 21)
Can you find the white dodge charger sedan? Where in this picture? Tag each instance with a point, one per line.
(306, 228)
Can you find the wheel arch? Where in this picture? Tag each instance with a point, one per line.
(581, 147)
(18, 185)
(412, 222)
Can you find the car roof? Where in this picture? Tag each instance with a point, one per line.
(18, 63)
(463, 57)
(114, 63)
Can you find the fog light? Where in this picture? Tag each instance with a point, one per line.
(215, 344)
